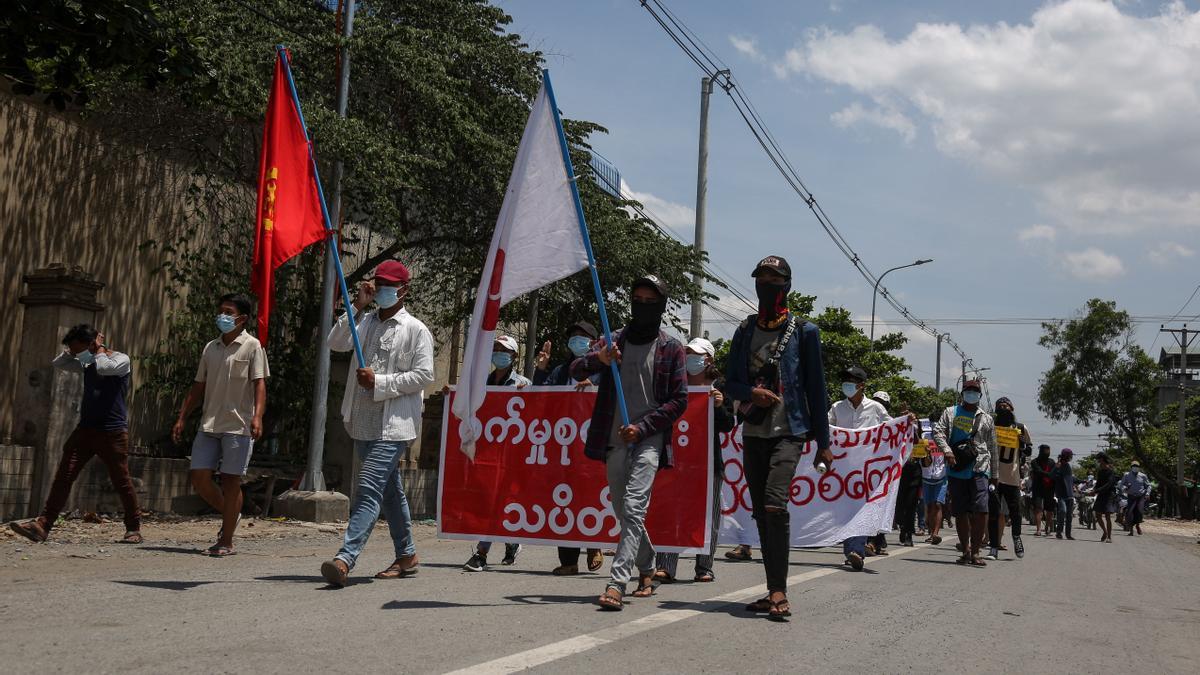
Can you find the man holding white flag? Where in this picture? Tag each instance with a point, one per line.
(538, 240)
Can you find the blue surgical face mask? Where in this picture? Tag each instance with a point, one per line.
(226, 323)
(85, 358)
(971, 397)
(849, 389)
(387, 297)
(502, 360)
(578, 345)
(695, 364)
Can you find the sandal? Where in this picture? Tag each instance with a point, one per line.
(219, 551)
(595, 559)
(759, 606)
(132, 537)
(704, 577)
(402, 567)
(611, 600)
(962, 560)
(976, 561)
(663, 576)
(780, 610)
(645, 587)
(565, 570)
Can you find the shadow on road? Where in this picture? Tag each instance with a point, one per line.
(173, 549)
(165, 585)
(492, 569)
(735, 609)
(541, 599)
(934, 562)
(315, 579)
(429, 604)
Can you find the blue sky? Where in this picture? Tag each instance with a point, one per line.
(1041, 153)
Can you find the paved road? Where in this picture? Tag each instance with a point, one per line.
(1068, 607)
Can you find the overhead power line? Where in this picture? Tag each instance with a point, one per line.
(712, 66)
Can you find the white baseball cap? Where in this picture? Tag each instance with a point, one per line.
(702, 346)
(508, 342)
(882, 396)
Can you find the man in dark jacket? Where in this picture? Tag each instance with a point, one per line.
(1064, 492)
(654, 388)
(1041, 489)
(776, 375)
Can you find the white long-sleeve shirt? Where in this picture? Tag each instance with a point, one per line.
(402, 380)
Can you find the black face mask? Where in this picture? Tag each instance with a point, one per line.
(645, 321)
(772, 299)
(1005, 417)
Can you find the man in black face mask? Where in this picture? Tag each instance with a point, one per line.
(1012, 441)
(776, 376)
(654, 385)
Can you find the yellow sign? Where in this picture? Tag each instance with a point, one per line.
(269, 206)
(1008, 437)
(920, 450)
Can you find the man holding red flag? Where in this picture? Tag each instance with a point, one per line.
(289, 216)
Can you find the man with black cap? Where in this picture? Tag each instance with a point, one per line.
(579, 342)
(1064, 492)
(654, 387)
(856, 411)
(1012, 446)
(966, 434)
(381, 408)
(776, 375)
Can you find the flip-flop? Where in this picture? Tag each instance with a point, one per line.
(780, 610)
(219, 551)
(611, 599)
(595, 559)
(132, 538)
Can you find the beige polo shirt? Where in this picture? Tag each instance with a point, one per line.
(228, 373)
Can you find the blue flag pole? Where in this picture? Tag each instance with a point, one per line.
(333, 239)
(587, 244)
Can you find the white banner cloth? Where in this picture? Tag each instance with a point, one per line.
(856, 497)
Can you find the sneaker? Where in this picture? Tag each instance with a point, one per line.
(30, 529)
(993, 554)
(1058, 535)
(477, 563)
(1018, 547)
(510, 554)
(855, 561)
(739, 553)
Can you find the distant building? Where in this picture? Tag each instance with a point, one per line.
(1170, 362)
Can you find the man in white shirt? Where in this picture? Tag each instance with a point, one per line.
(382, 410)
(856, 411)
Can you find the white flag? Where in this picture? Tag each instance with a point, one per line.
(537, 242)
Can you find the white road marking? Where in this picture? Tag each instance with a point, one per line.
(571, 646)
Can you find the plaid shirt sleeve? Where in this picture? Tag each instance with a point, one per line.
(670, 383)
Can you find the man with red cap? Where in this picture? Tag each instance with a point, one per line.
(381, 408)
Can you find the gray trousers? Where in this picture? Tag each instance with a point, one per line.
(630, 479)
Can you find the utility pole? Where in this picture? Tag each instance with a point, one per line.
(531, 346)
(1183, 337)
(937, 376)
(706, 88)
(314, 474)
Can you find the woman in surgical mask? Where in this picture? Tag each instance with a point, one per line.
(703, 373)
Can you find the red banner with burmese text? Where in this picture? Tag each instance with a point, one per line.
(530, 481)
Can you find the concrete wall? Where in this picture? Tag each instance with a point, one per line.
(16, 477)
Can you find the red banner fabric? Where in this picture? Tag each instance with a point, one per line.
(289, 215)
(530, 481)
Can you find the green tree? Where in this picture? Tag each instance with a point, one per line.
(1099, 374)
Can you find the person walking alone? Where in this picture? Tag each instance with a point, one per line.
(1105, 492)
(1136, 486)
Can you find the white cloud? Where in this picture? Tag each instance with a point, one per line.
(673, 215)
(747, 46)
(1091, 107)
(1092, 264)
(1037, 233)
(880, 116)
(1164, 253)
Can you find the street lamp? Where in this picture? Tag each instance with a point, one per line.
(875, 293)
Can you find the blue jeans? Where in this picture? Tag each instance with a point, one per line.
(855, 545)
(378, 486)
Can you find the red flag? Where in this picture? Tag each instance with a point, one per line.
(289, 215)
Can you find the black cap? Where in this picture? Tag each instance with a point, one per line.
(652, 281)
(585, 328)
(774, 263)
(855, 373)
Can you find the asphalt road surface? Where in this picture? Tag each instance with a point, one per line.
(1068, 607)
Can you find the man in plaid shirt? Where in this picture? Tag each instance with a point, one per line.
(654, 384)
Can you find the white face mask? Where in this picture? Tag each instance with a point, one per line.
(849, 389)
(971, 397)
